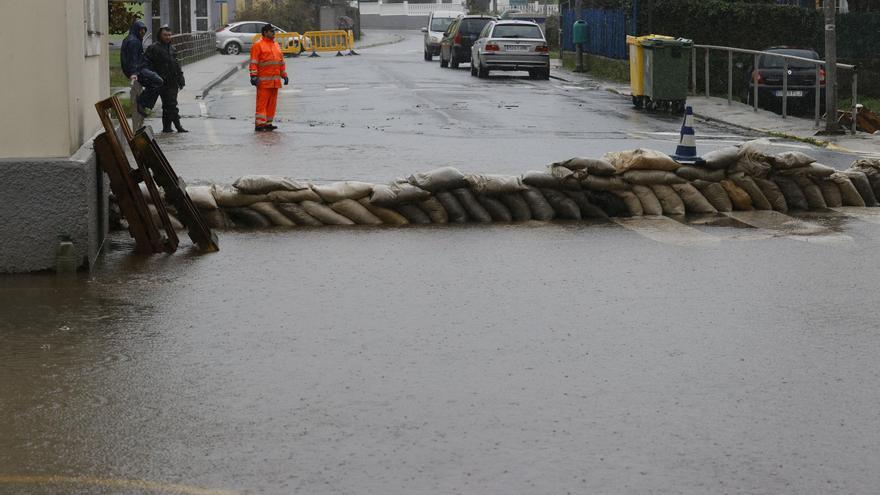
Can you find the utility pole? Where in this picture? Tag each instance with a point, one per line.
(831, 126)
(579, 47)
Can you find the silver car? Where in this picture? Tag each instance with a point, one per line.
(511, 45)
(239, 36)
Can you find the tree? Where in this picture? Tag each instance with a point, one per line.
(290, 15)
(120, 17)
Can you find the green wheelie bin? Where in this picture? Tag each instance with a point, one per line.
(666, 71)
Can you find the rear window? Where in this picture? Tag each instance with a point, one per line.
(517, 31)
(441, 23)
(766, 62)
(473, 26)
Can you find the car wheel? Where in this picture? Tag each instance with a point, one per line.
(482, 72)
(453, 62)
(428, 56)
(473, 70)
(544, 75)
(443, 63)
(233, 48)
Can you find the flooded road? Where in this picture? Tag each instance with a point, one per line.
(544, 358)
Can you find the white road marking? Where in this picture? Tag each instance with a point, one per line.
(203, 109)
(336, 89)
(667, 231)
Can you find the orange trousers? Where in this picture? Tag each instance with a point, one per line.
(267, 99)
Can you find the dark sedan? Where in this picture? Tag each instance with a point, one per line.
(801, 79)
(455, 47)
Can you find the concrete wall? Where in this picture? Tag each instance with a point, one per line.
(372, 21)
(49, 184)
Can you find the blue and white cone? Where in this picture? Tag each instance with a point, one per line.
(686, 152)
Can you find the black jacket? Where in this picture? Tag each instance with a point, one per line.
(132, 53)
(162, 59)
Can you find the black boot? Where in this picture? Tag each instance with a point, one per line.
(166, 124)
(178, 126)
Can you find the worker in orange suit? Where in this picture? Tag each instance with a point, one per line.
(267, 71)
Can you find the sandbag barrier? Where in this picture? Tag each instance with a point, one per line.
(620, 184)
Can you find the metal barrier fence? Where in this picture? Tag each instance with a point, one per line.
(314, 41)
(194, 46)
(606, 32)
(819, 64)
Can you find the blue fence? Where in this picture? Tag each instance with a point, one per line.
(606, 31)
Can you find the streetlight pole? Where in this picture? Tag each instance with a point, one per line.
(831, 126)
(579, 47)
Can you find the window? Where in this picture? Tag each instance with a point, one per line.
(92, 24)
(441, 23)
(526, 31)
(473, 26)
(201, 15)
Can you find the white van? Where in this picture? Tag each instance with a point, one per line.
(438, 21)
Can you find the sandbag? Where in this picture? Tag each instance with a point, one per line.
(791, 159)
(439, 179)
(541, 179)
(245, 217)
(474, 209)
(815, 201)
(722, 158)
(811, 170)
(540, 208)
(293, 196)
(338, 191)
(699, 173)
(871, 168)
(454, 210)
(848, 192)
(863, 186)
(651, 177)
(325, 214)
(386, 215)
(598, 183)
(610, 203)
(640, 159)
(738, 196)
(759, 201)
(496, 208)
(494, 184)
(355, 212)
(519, 209)
(397, 193)
(669, 199)
(754, 159)
(226, 197)
(694, 201)
(714, 194)
(650, 203)
(269, 211)
(592, 166)
(564, 207)
(202, 197)
(633, 205)
(588, 209)
(175, 223)
(216, 219)
(414, 214)
(830, 193)
(262, 184)
(434, 209)
(298, 215)
(568, 179)
(773, 194)
(794, 196)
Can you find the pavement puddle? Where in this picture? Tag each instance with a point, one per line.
(790, 227)
(667, 231)
(865, 214)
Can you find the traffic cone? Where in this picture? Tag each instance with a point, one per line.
(686, 152)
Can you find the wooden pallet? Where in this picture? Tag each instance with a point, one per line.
(152, 235)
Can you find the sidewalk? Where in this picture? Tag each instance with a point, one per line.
(741, 115)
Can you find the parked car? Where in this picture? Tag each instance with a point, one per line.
(237, 37)
(455, 47)
(511, 45)
(801, 79)
(438, 22)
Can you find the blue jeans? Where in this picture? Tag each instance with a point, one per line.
(152, 85)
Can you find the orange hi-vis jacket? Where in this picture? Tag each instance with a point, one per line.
(267, 63)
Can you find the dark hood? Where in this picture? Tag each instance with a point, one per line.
(136, 27)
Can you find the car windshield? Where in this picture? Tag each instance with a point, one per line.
(441, 23)
(517, 31)
(473, 26)
(767, 62)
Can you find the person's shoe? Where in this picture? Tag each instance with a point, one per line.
(271, 127)
(177, 125)
(261, 128)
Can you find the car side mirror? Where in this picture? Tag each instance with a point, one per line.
(424, 30)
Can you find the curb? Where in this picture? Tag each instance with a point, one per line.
(219, 79)
(383, 43)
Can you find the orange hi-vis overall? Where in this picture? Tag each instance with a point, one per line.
(267, 65)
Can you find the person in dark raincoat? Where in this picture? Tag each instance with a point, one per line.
(161, 58)
(132, 58)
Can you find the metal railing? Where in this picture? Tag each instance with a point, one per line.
(756, 86)
(194, 46)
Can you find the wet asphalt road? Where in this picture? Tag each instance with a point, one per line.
(697, 355)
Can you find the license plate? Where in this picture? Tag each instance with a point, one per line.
(516, 48)
(790, 93)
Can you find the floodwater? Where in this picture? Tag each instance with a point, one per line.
(546, 358)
